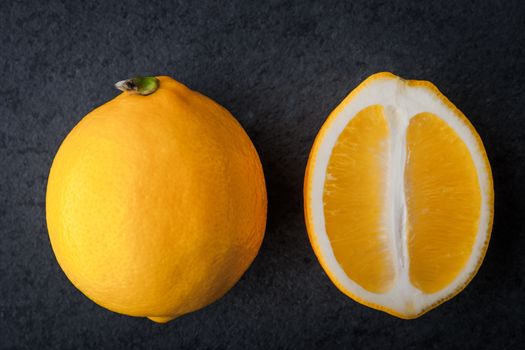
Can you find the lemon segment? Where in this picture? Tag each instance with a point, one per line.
(354, 200)
(443, 202)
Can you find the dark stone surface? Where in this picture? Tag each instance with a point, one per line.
(279, 67)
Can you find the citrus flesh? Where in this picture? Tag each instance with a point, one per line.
(156, 205)
(398, 196)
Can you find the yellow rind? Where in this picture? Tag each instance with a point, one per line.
(312, 235)
(146, 186)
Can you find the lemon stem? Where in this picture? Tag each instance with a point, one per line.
(140, 85)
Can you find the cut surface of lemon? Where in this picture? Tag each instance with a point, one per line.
(398, 196)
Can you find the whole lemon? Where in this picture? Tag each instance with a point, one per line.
(156, 201)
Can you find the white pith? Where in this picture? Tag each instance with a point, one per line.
(401, 102)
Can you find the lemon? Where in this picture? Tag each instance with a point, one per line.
(156, 201)
(399, 197)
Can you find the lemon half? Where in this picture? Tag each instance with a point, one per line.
(398, 195)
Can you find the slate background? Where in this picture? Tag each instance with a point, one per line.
(279, 67)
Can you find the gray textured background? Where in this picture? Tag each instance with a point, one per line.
(279, 67)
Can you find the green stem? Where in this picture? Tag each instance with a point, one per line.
(140, 85)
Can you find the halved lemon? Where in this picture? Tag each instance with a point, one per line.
(398, 196)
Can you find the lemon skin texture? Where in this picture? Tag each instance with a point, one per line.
(156, 205)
